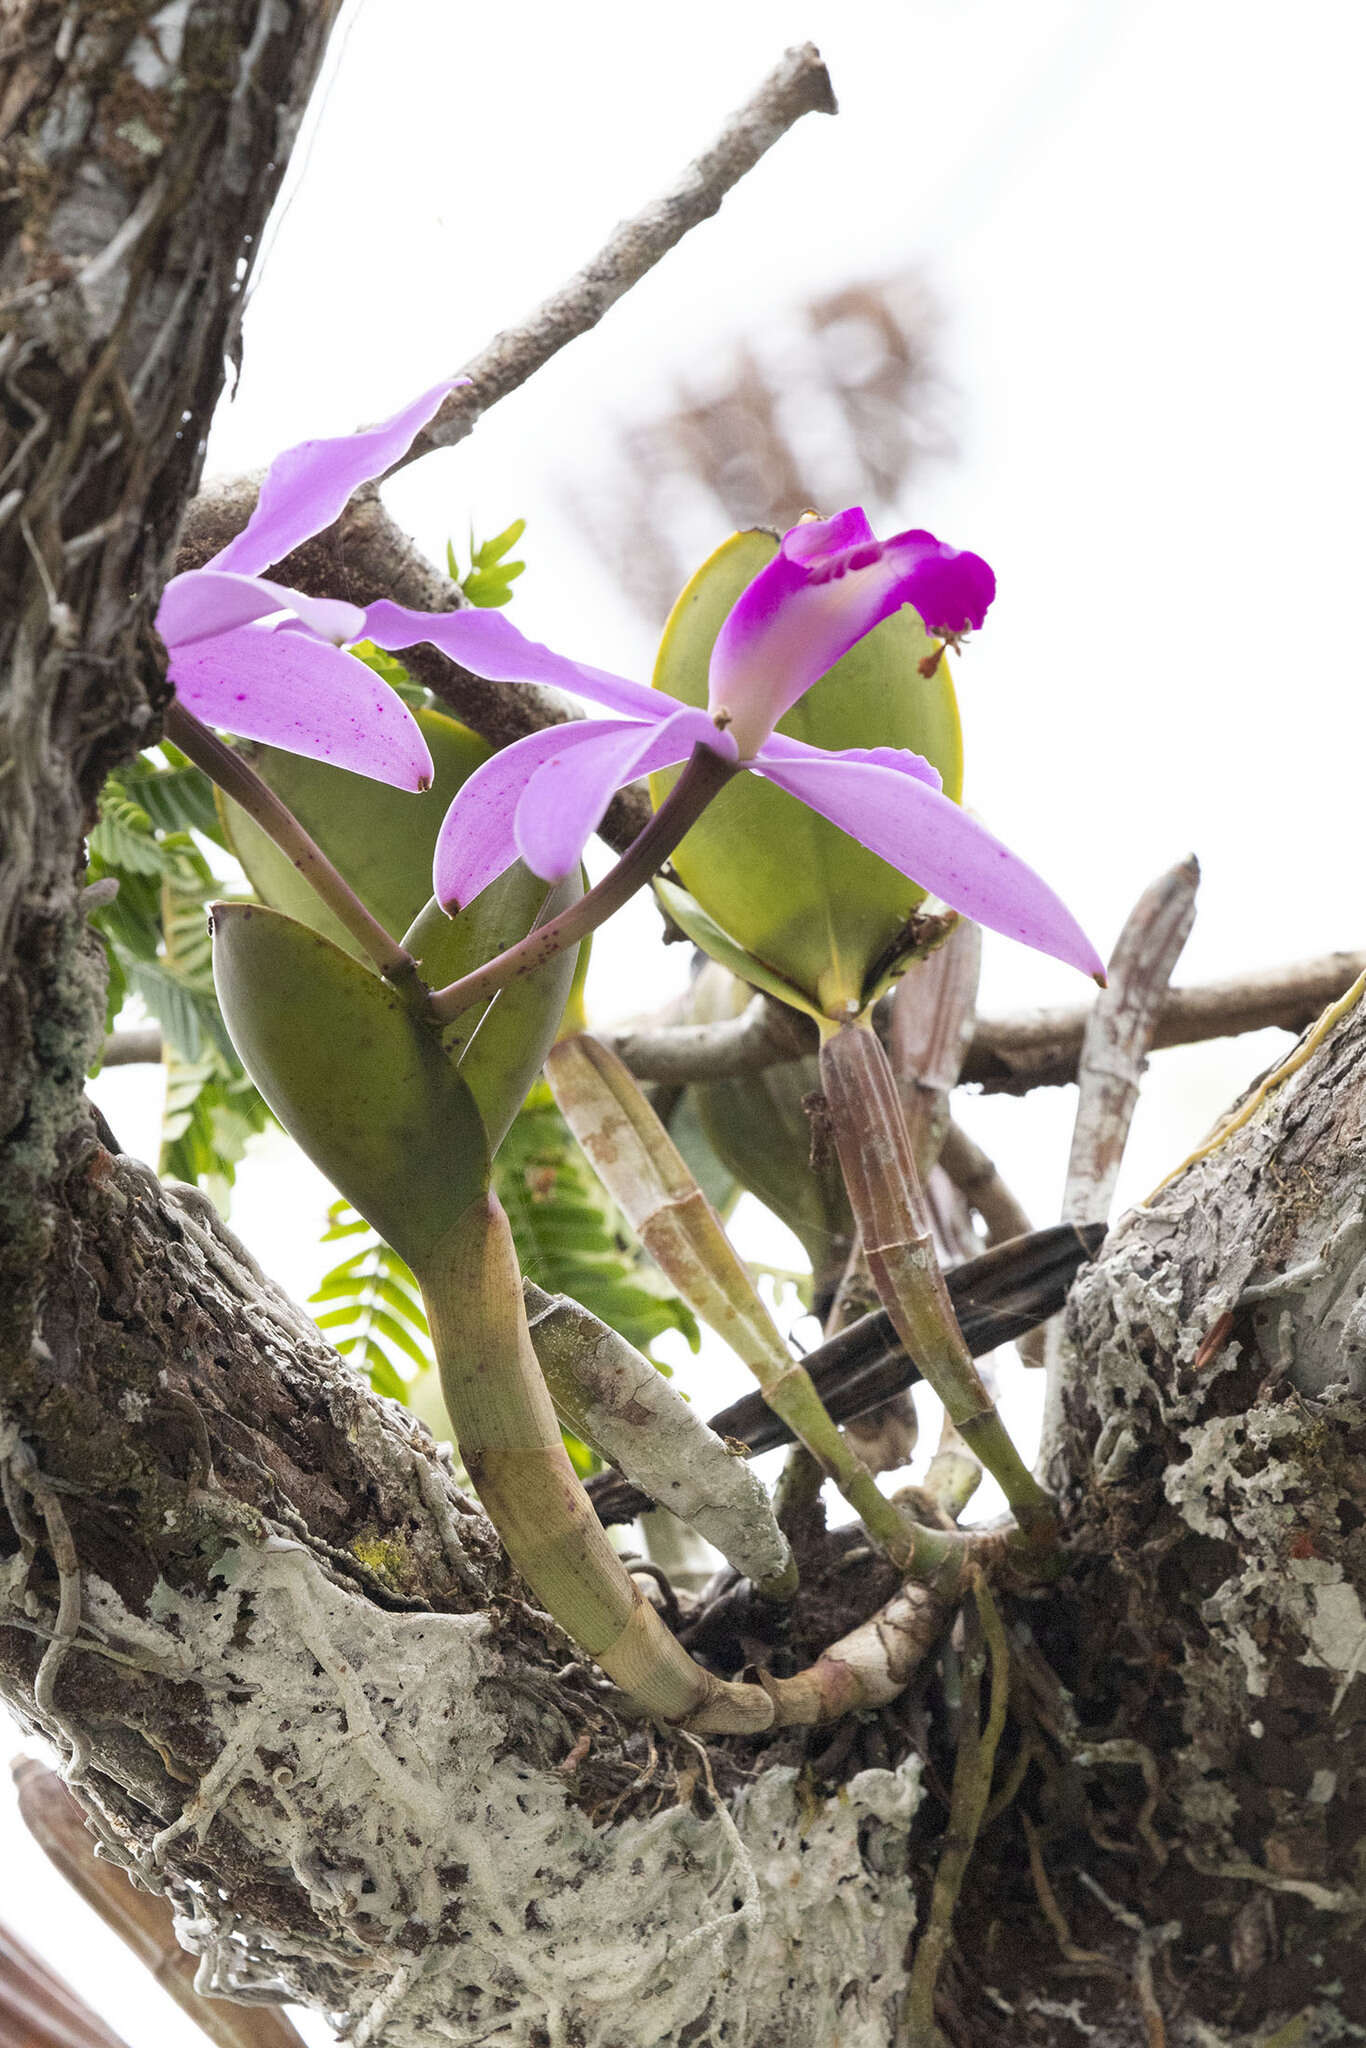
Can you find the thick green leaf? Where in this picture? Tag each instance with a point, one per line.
(688, 914)
(352, 1075)
(499, 1049)
(792, 890)
(381, 839)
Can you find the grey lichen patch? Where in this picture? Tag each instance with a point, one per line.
(464, 1890)
(1213, 1440)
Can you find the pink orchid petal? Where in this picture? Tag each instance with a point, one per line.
(204, 602)
(897, 815)
(307, 487)
(809, 606)
(826, 536)
(477, 840)
(304, 695)
(780, 746)
(566, 797)
(488, 644)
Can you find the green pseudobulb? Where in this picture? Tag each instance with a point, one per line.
(362, 1086)
(793, 891)
(501, 1046)
(380, 838)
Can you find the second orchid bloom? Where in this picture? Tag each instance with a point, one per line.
(264, 661)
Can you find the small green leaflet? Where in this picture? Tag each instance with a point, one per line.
(372, 1307)
(153, 812)
(489, 579)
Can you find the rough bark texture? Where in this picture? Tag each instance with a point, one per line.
(288, 1667)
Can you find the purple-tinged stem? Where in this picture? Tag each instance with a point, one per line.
(227, 768)
(889, 1206)
(704, 776)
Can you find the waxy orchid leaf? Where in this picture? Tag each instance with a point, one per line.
(705, 933)
(380, 838)
(790, 889)
(499, 1047)
(353, 1076)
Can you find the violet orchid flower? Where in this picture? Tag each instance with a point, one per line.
(255, 658)
(831, 582)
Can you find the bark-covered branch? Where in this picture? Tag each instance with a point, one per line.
(1040, 1048)
(1007, 1055)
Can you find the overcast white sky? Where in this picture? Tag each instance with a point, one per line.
(1143, 221)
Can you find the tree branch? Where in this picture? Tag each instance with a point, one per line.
(365, 555)
(1040, 1048)
(1007, 1055)
(798, 85)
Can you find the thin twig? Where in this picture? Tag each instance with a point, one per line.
(798, 85)
(365, 539)
(1008, 1055)
(1118, 1035)
(978, 1179)
(764, 1034)
(141, 1047)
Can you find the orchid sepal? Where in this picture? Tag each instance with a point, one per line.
(253, 657)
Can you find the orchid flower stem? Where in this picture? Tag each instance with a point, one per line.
(225, 767)
(889, 1206)
(705, 774)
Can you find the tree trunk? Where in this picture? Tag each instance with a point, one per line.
(297, 1684)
